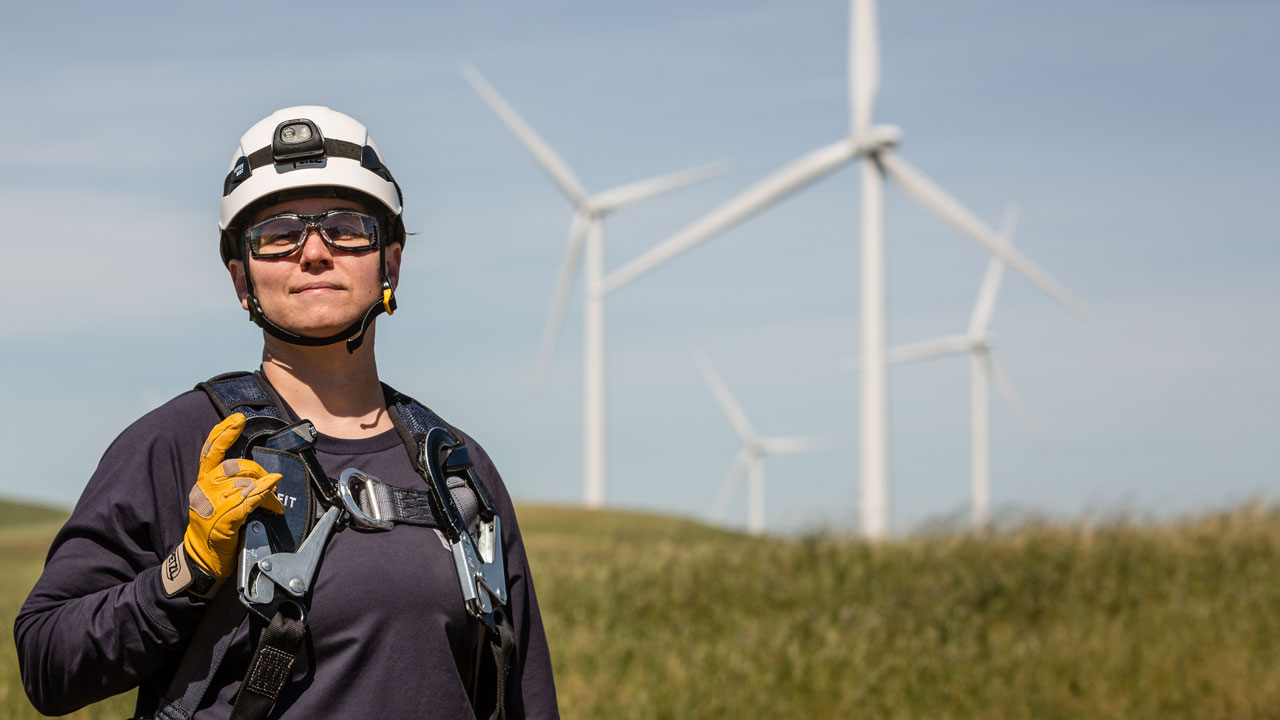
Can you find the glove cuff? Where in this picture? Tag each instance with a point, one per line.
(182, 574)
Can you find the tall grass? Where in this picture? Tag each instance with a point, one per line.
(654, 617)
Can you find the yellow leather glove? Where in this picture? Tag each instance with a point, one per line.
(226, 491)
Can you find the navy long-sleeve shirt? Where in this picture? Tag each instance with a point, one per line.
(388, 635)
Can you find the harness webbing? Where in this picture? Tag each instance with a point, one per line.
(278, 647)
(502, 646)
(241, 392)
(411, 507)
(282, 639)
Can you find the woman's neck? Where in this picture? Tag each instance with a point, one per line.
(339, 392)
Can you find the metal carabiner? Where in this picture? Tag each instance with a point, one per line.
(479, 562)
(481, 570)
(358, 517)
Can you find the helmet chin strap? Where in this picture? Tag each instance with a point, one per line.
(353, 334)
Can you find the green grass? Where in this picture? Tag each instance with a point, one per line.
(655, 617)
(660, 618)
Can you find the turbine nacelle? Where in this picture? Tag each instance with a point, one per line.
(983, 342)
(879, 139)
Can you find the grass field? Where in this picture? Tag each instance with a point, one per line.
(655, 617)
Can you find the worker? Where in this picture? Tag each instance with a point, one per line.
(301, 541)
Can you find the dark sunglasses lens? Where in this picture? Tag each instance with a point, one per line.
(350, 231)
(275, 236)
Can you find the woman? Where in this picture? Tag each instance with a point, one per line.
(312, 237)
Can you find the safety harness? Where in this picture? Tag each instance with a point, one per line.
(280, 553)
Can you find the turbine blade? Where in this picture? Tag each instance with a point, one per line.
(937, 201)
(731, 483)
(551, 163)
(560, 298)
(926, 349)
(864, 65)
(788, 444)
(771, 189)
(1010, 398)
(644, 189)
(731, 409)
(986, 303)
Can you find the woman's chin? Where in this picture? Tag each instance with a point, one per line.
(314, 327)
(317, 321)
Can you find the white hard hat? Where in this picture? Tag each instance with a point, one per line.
(302, 147)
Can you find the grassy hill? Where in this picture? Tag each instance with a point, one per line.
(655, 617)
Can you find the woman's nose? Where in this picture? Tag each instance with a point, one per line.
(315, 251)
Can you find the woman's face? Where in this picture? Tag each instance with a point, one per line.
(318, 290)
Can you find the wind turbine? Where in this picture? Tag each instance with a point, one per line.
(875, 145)
(586, 237)
(750, 459)
(977, 343)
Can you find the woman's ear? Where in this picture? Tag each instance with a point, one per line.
(236, 268)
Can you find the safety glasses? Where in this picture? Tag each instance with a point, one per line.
(282, 235)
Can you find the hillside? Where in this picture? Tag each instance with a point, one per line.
(20, 514)
(655, 617)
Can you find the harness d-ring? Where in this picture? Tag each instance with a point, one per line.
(358, 517)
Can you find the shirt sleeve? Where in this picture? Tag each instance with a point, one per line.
(97, 622)
(533, 689)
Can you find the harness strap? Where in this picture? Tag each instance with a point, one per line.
(502, 646)
(417, 419)
(412, 507)
(242, 392)
(278, 648)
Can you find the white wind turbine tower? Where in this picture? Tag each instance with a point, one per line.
(875, 144)
(586, 237)
(977, 343)
(750, 459)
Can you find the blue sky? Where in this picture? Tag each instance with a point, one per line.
(1137, 139)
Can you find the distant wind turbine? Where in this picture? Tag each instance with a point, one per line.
(875, 144)
(750, 459)
(586, 237)
(977, 343)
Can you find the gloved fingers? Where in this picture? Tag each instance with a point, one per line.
(245, 488)
(263, 494)
(241, 468)
(240, 497)
(222, 437)
(217, 485)
(271, 503)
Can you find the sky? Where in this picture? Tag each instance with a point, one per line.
(1136, 139)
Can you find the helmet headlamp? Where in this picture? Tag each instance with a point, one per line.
(295, 140)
